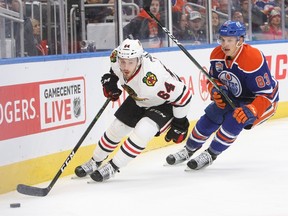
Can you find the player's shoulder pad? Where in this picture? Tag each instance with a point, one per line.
(217, 53)
(250, 59)
(113, 56)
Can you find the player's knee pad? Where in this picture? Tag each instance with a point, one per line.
(144, 131)
(215, 113)
(201, 132)
(117, 130)
(110, 139)
(231, 125)
(205, 126)
(136, 142)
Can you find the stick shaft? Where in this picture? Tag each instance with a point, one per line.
(35, 191)
(147, 9)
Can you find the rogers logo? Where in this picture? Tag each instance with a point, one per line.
(17, 110)
(35, 107)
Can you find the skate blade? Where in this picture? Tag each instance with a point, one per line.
(167, 165)
(92, 182)
(187, 169)
(95, 182)
(78, 178)
(174, 165)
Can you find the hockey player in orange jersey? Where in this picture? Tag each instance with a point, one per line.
(241, 71)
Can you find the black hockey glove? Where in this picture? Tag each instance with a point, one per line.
(178, 130)
(110, 88)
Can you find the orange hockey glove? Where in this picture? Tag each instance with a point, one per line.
(246, 114)
(216, 96)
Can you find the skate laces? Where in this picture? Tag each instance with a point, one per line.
(181, 155)
(204, 159)
(90, 166)
(107, 171)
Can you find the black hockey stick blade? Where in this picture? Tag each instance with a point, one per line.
(36, 191)
(146, 6)
(32, 191)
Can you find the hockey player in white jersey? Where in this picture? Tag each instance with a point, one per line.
(157, 101)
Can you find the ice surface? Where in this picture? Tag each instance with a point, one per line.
(249, 179)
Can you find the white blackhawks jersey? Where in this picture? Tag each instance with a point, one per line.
(153, 84)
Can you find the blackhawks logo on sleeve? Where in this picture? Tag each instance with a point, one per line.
(150, 79)
(113, 56)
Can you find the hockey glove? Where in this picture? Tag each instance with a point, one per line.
(216, 96)
(110, 88)
(246, 114)
(178, 130)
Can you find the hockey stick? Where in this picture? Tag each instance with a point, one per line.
(36, 191)
(146, 6)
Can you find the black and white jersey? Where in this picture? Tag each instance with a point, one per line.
(153, 84)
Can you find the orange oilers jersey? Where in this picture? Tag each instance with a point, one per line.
(246, 76)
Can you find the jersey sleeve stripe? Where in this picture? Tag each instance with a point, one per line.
(183, 99)
(272, 96)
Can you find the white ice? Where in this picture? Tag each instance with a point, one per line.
(249, 179)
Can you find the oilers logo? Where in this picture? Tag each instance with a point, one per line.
(150, 79)
(77, 107)
(232, 82)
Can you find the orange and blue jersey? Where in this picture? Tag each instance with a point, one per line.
(249, 80)
(247, 75)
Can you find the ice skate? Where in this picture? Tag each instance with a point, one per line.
(201, 161)
(87, 168)
(179, 157)
(105, 172)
